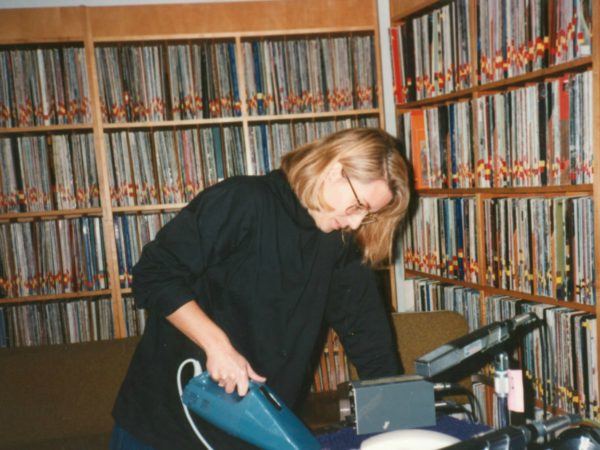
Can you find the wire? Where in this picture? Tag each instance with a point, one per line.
(545, 382)
(477, 413)
(475, 406)
(197, 371)
(544, 350)
(452, 406)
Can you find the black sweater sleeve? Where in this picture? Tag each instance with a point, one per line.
(356, 312)
(209, 229)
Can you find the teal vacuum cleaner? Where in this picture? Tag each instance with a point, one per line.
(259, 417)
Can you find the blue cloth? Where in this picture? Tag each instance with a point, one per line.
(347, 439)
(344, 439)
(123, 440)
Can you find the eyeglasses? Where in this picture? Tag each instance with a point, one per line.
(359, 207)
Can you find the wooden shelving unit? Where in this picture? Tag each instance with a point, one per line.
(91, 27)
(403, 11)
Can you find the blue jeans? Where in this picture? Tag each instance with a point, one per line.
(123, 440)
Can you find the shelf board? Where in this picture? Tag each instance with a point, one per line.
(576, 65)
(490, 290)
(539, 299)
(171, 123)
(313, 116)
(51, 297)
(297, 33)
(512, 191)
(416, 274)
(302, 33)
(463, 94)
(252, 18)
(54, 214)
(579, 64)
(42, 25)
(46, 129)
(239, 119)
(148, 208)
(400, 10)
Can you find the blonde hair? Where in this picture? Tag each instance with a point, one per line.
(365, 154)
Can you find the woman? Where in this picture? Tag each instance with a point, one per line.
(244, 276)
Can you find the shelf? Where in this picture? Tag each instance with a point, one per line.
(313, 116)
(490, 290)
(93, 28)
(577, 65)
(51, 297)
(148, 208)
(252, 19)
(28, 216)
(403, 9)
(49, 25)
(512, 191)
(511, 126)
(463, 94)
(294, 33)
(416, 274)
(172, 123)
(40, 129)
(239, 119)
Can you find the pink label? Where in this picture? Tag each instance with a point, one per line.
(515, 391)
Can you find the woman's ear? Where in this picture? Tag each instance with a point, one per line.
(334, 172)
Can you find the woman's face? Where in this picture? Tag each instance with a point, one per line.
(352, 201)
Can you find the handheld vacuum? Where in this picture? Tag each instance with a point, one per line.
(259, 417)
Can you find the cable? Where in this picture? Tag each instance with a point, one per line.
(477, 413)
(475, 406)
(546, 386)
(450, 406)
(197, 371)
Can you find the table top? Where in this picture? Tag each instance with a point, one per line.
(347, 439)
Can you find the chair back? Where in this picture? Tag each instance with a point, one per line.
(418, 333)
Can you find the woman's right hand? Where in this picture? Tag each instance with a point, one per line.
(230, 369)
(224, 363)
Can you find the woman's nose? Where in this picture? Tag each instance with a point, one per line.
(355, 220)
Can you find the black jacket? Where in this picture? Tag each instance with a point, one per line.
(252, 257)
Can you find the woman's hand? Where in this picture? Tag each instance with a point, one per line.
(230, 369)
(225, 365)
